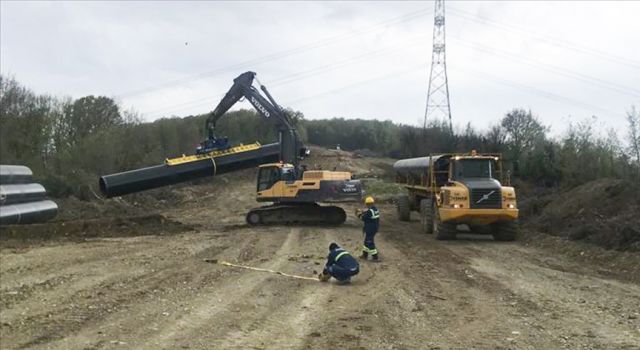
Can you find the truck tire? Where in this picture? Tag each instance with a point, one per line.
(505, 231)
(426, 216)
(443, 230)
(404, 211)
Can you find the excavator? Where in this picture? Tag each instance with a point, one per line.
(293, 191)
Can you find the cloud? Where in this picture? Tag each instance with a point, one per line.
(348, 59)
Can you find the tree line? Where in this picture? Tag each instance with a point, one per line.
(68, 142)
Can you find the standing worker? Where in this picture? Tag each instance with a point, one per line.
(371, 219)
(340, 265)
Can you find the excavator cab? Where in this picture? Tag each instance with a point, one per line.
(270, 174)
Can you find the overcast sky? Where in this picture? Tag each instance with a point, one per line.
(563, 60)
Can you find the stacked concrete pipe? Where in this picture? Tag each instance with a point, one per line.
(21, 200)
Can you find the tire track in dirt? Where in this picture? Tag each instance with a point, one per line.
(565, 298)
(80, 272)
(219, 303)
(36, 271)
(72, 309)
(35, 265)
(475, 312)
(504, 297)
(153, 300)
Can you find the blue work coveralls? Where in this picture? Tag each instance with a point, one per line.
(341, 265)
(371, 219)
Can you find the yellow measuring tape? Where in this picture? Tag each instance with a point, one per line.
(225, 263)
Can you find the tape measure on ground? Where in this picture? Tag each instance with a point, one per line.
(225, 263)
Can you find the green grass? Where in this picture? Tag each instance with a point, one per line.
(376, 187)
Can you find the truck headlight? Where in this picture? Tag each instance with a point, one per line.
(511, 206)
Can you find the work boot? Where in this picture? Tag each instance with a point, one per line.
(364, 256)
(375, 257)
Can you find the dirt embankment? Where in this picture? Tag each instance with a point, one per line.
(602, 212)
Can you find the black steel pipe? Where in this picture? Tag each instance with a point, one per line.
(21, 193)
(15, 174)
(414, 166)
(28, 213)
(162, 175)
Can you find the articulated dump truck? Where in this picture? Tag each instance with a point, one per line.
(448, 190)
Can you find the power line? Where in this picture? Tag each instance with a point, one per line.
(549, 39)
(327, 67)
(301, 75)
(551, 68)
(280, 54)
(536, 91)
(183, 105)
(358, 83)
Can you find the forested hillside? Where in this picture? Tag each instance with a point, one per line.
(68, 143)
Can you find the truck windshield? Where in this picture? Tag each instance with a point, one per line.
(478, 168)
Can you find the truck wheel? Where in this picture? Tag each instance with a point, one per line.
(404, 212)
(443, 230)
(426, 216)
(505, 231)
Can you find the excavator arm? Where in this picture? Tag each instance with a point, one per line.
(267, 107)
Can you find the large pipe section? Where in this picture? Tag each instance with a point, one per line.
(21, 201)
(21, 193)
(28, 213)
(162, 175)
(15, 174)
(414, 167)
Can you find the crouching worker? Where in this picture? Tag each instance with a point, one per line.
(340, 265)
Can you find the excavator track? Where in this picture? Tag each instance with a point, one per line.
(303, 213)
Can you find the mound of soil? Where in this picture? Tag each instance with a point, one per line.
(78, 230)
(603, 212)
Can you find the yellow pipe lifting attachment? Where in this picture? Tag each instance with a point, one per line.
(212, 154)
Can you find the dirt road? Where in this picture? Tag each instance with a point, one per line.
(152, 290)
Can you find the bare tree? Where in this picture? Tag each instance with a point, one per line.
(523, 131)
(496, 138)
(633, 135)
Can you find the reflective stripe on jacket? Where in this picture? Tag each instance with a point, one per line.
(371, 219)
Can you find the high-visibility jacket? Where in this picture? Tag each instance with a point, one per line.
(342, 258)
(371, 219)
